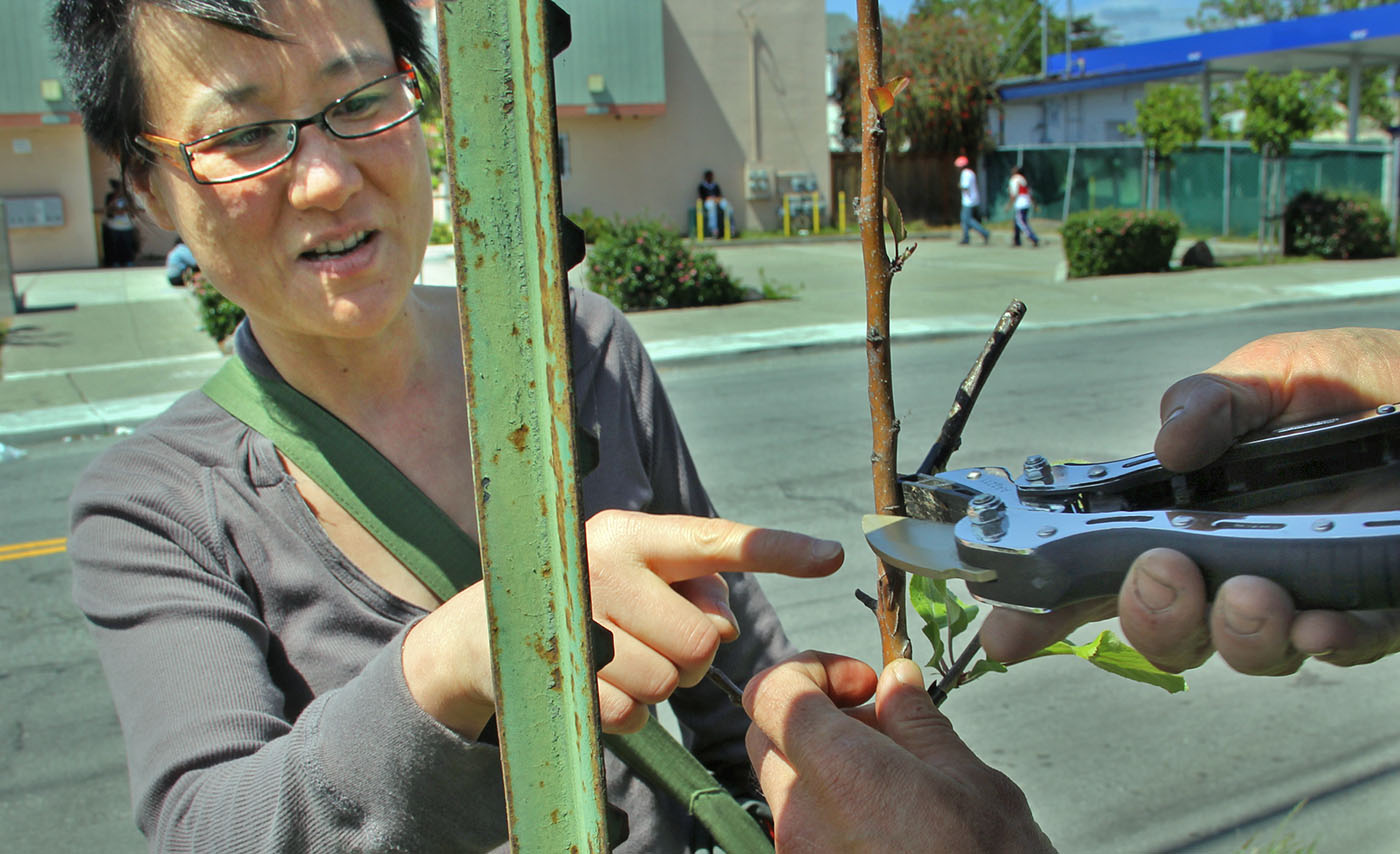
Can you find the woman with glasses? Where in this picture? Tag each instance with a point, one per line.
(282, 680)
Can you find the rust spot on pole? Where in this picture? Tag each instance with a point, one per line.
(518, 437)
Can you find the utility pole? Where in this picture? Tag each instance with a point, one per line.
(1044, 38)
(1069, 25)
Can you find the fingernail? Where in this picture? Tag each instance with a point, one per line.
(1154, 595)
(1321, 653)
(907, 673)
(725, 622)
(825, 549)
(1240, 624)
(1173, 414)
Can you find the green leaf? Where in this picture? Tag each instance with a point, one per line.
(962, 614)
(1107, 652)
(923, 592)
(984, 665)
(935, 637)
(926, 595)
(894, 217)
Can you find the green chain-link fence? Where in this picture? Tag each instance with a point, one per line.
(1214, 188)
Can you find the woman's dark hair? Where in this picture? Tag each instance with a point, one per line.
(95, 46)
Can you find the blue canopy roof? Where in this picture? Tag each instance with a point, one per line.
(1322, 41)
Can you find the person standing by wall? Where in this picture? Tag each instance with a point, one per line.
(712, 197)
(118, 228)
(967, 184)
(1021, 203)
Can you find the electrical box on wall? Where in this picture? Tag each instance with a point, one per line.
(758, 183)
(33, 211)
(797, 182)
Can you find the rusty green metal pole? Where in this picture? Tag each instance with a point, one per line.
(498, 100)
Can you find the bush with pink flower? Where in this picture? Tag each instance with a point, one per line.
(642, 264)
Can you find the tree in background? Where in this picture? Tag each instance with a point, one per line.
(951, 67)
(1279, 111)
(1015, 28)
(954, 52)
(1168, 120)
(1226, 14)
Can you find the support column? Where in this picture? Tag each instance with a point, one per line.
(9, 302)
(1205, 100)
(1353, 98)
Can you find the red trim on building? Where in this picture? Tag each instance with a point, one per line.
(36, 120)
(580, 111)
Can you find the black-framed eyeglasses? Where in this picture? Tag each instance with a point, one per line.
(247, 151)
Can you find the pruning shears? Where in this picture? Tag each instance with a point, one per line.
(1060, 534)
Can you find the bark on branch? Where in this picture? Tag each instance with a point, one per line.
(890, 612)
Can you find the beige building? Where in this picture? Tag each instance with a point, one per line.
(45, 179)
(653, 92)
(48, 193)
(52, 180)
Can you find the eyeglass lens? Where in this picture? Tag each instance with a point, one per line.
(250, 149)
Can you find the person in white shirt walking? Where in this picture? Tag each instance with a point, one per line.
(1021, 203)
(967, 183)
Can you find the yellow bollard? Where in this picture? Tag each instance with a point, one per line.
(699, 221)
(787, 217)
(816, 213)
(841, 210)
(727, 228)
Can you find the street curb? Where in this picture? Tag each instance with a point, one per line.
(703, 348)
(82, 419)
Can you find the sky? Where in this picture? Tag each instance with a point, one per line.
(1133, 20)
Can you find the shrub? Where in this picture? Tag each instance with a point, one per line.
(594, 227)
(442, 234)
(218, 316)
(1114, 242)
(1336, 225)
(643, 265)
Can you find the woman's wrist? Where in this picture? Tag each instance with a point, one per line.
(447, 680)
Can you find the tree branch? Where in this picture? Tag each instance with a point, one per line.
(950, 437)
(894, 639)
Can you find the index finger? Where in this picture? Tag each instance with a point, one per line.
(679, 548)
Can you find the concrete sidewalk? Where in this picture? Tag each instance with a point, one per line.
(103, 350)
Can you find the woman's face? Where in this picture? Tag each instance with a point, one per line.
(327, 244)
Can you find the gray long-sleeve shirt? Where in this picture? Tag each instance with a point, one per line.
(257, 672)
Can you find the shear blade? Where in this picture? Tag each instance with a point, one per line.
(920, 546)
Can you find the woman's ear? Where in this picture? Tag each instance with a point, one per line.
(143, 187)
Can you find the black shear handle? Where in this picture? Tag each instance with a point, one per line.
(1347, 562)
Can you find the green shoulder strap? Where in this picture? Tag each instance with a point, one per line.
(349, 469)
(665, 763)
(426, 540)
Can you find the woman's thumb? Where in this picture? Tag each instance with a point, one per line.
(905, 713)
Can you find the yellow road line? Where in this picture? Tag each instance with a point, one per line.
(36, 548)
